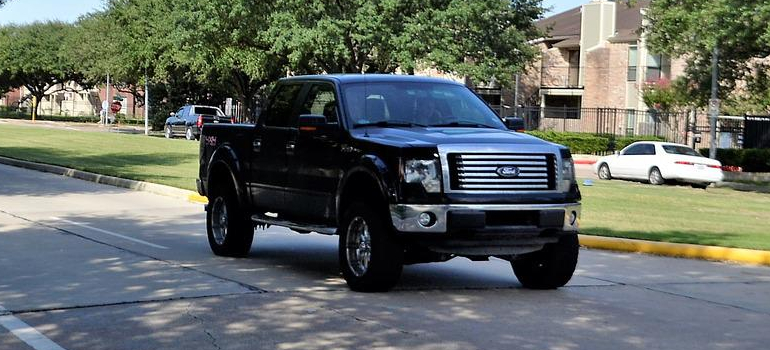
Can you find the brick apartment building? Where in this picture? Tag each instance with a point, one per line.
(595, 56)
(75, 101)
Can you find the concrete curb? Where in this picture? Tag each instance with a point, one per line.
(108, 180)
(596, 242)
(681, 250)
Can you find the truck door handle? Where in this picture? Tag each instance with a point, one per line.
(257, 145)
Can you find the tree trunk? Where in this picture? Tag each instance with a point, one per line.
(35, 104)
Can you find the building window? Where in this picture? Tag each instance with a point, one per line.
(562, 107)
(633, 62)
(658, 67)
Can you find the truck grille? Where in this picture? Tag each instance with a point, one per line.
(481, 172)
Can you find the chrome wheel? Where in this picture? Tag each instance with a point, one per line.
(189, 133)
(168, 132)
(358, 247)
(604, 172)
(655, 177)
(219, 220)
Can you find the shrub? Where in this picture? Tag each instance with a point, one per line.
(751, 160)
(583, 143)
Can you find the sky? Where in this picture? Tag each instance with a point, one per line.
(559, 6)
(28, 11)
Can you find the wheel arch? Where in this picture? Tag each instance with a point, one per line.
(224, 164)
(361, 183)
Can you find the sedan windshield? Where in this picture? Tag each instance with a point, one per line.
(409, 104)
(682, 150)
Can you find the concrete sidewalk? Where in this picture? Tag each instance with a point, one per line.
(74, 126)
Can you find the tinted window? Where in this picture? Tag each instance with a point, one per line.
(648, 149)
(207, 111)
(633, 150)
(641, 149)
(687, 151)
(279, 111)
(321, 101)
(431, 104)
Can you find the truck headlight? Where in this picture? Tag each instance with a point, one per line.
(424, 171)
(567, 173)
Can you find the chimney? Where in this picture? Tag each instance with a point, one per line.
(597, 23)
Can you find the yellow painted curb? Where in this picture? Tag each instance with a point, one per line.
(196, 198)
(693, 251)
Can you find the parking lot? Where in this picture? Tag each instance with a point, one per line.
(96, 267)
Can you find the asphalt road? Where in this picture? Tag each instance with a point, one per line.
(86, 266)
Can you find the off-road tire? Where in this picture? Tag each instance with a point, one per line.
(386, 254)
(549, 268)
(239, 230)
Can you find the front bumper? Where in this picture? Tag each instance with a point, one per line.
(486, 217)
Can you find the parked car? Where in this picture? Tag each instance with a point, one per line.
(658, 162)
(404, 169)
(189, 121)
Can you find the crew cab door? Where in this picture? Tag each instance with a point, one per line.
(314, 162)
(178, 124)
(268, 165)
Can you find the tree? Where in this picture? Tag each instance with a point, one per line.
(32, 56)
(482, 39)
(692, 28)
(226, 43)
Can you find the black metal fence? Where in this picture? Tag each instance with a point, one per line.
(607, 121)
(756, 132)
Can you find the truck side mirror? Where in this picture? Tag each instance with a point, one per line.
(311, 123)
(515, 123)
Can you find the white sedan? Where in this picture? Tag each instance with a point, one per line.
(658, 162)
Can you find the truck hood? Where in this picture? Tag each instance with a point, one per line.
(434, 136)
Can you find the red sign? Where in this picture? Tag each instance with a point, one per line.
(115, 107)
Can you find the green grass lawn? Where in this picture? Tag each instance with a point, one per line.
(716, 216)
(138, 157)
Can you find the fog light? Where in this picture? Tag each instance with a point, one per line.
(426, 219)
(572, 218)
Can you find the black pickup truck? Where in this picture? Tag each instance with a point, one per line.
(404, 169)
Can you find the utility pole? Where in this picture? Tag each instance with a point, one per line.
(146, 104)
(516, 97)
(714, 102)
(107, 98)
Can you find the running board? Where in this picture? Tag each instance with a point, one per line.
(296, 226)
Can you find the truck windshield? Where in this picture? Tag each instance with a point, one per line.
(407, 104)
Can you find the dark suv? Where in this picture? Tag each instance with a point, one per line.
(189, 121)
(404, 169)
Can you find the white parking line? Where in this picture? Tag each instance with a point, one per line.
(26, 333)
(110, 233)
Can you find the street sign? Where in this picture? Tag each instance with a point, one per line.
(714, 105)
(115, 107)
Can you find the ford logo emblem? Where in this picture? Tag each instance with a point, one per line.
(507, 171)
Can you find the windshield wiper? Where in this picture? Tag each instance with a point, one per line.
(387, 123)
(464, 125)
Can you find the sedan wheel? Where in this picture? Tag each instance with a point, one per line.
(655, 177)
(604, 172)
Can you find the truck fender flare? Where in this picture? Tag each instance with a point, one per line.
(371, 169)
(225, 156)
